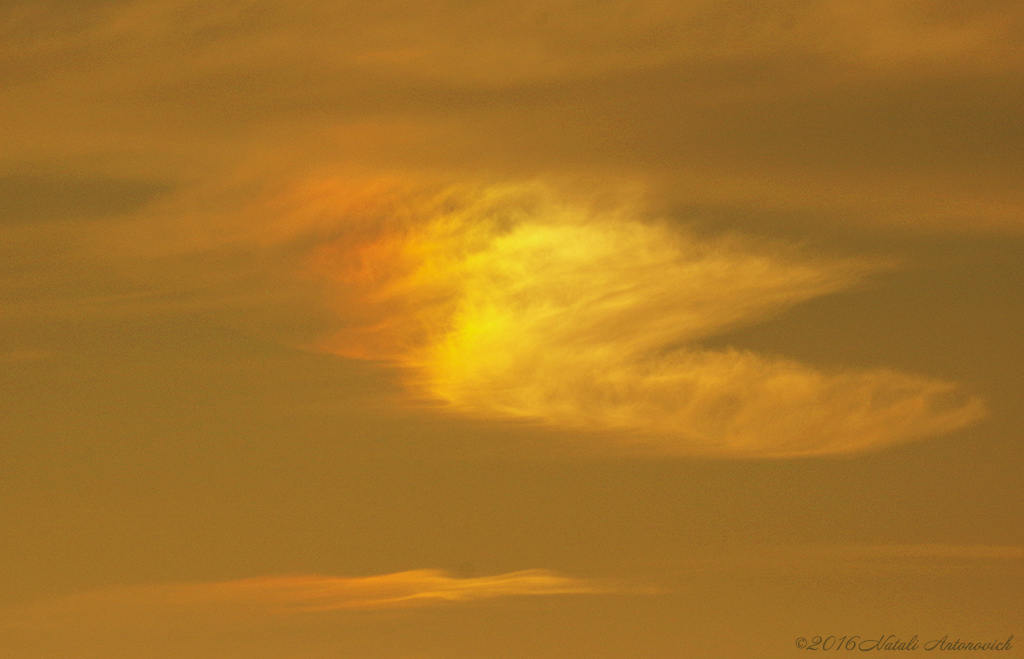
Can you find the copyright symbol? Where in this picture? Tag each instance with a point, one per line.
(801, 642)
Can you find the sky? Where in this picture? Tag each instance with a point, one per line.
(618, 329)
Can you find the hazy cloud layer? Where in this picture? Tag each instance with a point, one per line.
(513, 302)
(889, 112)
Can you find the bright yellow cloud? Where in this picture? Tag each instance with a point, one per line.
(513, 302)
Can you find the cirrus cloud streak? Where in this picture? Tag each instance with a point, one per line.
(312, 593)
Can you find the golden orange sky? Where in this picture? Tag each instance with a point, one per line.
(492, 329)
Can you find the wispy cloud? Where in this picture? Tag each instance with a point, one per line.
(316, 593)
(529, 301)
(401, 589)
(515, 302)
(307, 615)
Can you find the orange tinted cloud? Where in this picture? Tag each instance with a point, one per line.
(412, 588)
(292, 616)
(517, 302)
(312, 593)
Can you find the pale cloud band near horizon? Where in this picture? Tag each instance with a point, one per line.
(286, 596)
(307, 594)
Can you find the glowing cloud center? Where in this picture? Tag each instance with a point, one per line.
(542, 310)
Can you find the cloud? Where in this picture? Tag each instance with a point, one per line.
(401, 589)
(513, 301)
(306, 615)
(890, 111)
(504, 41)
(544, 302)
(308, 594)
